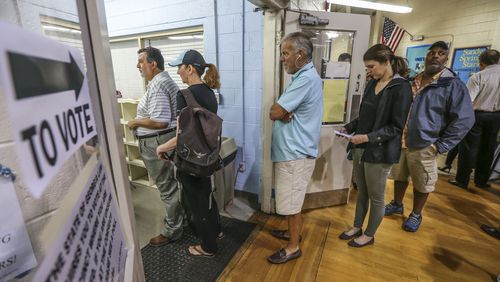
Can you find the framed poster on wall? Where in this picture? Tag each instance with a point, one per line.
(465, 61)
(416, 58)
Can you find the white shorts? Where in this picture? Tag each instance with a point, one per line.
(291, 179)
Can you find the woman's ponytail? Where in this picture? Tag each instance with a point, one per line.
(382, 54)
(212, 78)
(400, 66)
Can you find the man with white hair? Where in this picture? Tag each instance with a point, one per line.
(296, 130)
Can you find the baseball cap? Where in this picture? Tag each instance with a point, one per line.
(191, 57)
(440, 44)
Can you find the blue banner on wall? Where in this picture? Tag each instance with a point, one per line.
(416, 58)
(466, 61)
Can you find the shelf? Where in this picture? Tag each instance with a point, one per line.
(135, 162)
(130, 143)
(128, 100)
(133, 153)
(128, 110)
(138, 174)
(143, 181)
(129, 136)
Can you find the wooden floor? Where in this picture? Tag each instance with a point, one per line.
(449, 246)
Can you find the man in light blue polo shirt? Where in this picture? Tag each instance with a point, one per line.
(296, 130)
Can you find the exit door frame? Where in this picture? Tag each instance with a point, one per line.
(272, 88)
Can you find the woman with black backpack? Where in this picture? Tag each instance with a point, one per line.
(197, 189)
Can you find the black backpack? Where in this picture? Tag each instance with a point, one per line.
(198, 139)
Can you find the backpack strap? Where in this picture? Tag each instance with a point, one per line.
(190, 100)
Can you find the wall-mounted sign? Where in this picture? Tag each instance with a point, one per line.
(465, 61)
(48, 100)
(334, 97)
(416, 58)
(91, 244)
(16, 254)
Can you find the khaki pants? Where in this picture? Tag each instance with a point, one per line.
(162, 172)
(420, 165)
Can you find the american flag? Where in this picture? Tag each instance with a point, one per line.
(391, 34)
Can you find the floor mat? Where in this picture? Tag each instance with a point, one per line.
(173, 263)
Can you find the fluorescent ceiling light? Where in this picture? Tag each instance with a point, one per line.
(186, 37)
(57, 28)
(180, 37)
(60, 28)
(373, 6)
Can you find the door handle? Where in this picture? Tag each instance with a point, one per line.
(357, 82)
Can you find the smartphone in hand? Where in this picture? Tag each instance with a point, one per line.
(343, 134)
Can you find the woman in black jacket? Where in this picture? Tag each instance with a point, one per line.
(377, 140)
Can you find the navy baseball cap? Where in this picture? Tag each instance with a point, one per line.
(190, 57)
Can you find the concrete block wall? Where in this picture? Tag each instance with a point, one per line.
(472, 23)
(239, 109)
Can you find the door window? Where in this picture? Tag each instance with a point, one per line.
(332, 59)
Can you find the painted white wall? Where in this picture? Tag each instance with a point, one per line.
(127, 17)
(471, 23)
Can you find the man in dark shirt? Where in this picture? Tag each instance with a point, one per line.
(478, 147)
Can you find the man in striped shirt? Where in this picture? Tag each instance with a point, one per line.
(155, 124)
